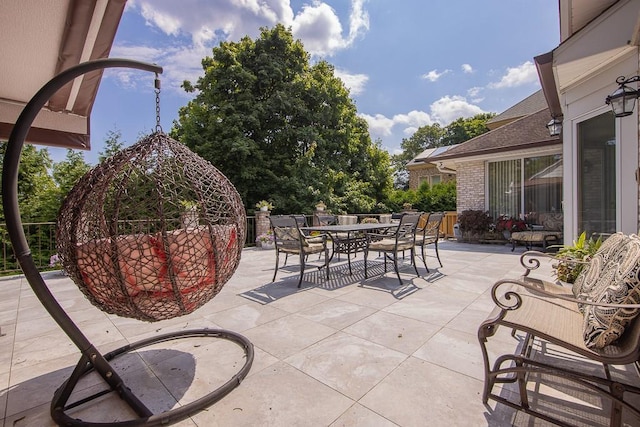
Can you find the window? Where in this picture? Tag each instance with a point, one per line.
(530, 186)
(431, 179)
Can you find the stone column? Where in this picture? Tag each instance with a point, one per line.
(262, 222)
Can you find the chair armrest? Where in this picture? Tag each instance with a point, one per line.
(537, 289)
(530, 260)
(377, 236)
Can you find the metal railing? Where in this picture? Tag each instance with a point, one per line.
(41, 237)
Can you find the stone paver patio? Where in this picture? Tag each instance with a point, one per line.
(348, 352)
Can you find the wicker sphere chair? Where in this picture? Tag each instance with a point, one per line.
(153, 232)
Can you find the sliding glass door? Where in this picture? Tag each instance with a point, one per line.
(596, 139)
(528, 186)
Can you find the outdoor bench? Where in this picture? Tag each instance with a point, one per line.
(594, 319)
(530, 237)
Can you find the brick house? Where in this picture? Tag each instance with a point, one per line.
(514, 169)
(599, 43)
(422, 170)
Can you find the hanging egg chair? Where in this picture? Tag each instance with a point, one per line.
(153, 232)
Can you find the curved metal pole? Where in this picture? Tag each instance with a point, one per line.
(10, 185)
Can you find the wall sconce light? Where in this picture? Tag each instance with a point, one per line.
(623, 99)
(554, 126)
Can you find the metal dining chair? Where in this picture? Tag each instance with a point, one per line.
(392, 244)
(428, 233)
(290, 240)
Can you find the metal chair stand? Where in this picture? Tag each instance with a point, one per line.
(91, 359)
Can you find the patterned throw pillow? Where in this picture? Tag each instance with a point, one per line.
(590, 274)
(619, 283)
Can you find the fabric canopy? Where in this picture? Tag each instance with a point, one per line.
(41, 38)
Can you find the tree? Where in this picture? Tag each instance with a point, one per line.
(67, 172)
(282, 129)
(37, 192)
(432, 136)
(112, 145)
(429, 136)
(462, 129)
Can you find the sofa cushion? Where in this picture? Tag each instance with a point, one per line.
(551, 221)
(590, 274)
(618, 283)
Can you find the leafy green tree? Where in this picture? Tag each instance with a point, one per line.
(37, 192)
(432, 136)
(282, 129)
(67, 172)
(112, 145)
(462, 129)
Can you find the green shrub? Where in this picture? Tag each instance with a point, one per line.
(581, 250)
(474, 221)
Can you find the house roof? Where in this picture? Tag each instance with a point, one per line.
(424, 157)
(525, 132)
(531, 104)
(41, 38)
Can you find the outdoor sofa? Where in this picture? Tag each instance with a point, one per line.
(595, 320)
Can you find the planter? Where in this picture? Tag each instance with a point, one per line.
(190, 219)
(264, 208)
(267, 245)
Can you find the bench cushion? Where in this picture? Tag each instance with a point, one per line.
(590, 274)
(617, 283)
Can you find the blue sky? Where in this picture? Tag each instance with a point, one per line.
(407, 63)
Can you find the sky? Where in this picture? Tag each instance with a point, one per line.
(407, 63)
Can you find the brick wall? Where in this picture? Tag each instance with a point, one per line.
(416, 174)
(470, 186)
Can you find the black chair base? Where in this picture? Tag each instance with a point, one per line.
(92, 360)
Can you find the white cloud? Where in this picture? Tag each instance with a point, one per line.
(466, 68)
(410, 131)
(517, 76)
(475, 94)
(379, 125)
(355, 82)
(413, 118)
(433, 75)
(450, 108)
(443, 111)
(382, 126)
(203, 24)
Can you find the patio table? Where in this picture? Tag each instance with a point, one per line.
(348, 238)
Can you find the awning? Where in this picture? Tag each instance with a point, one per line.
(41, 38)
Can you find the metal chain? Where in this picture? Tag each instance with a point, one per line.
(157, 90)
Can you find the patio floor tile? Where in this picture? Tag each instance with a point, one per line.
(342, 352)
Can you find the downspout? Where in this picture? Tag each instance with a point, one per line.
(443, 169)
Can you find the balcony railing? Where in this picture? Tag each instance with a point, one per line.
(41, 237)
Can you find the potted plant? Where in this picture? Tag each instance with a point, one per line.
(264, 205)
(581, 250)
(370, 220)
(266, 240)
(474, 224)
(189, 217)
(407, 207)
(320, 206)
(507, 225)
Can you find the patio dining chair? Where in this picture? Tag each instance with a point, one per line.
(325, 219)
(428, 233)
(392, 244)
(290, 240)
